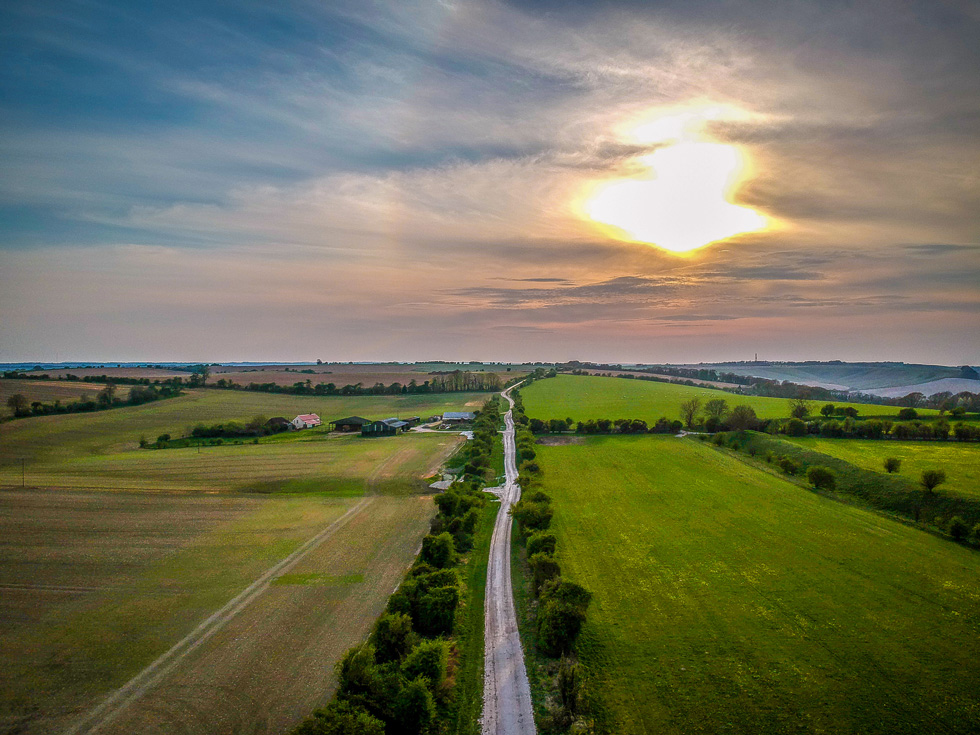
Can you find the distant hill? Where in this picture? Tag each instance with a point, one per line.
(866, 377)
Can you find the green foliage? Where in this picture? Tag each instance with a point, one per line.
(416, 709)
(340, 718)
(544, 567)
(560, 617)
(892, 464)
(541, 543)
(795, 427)
(957, 528)
(437, 609)
(532, 517)
(392, 637)
(821, 477)
(788, 465)
(439, 551)
(743, 418)
(429, 660)
(908, 414)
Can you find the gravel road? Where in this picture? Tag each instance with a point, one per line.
(506, 694)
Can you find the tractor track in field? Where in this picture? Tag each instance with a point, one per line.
(117, 702)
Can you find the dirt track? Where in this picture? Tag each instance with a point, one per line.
(506, 693)
(122, 699)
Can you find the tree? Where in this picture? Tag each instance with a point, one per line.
(689, 411)
(931, 479)
(415, 709)
(743, 418)
(799, 408)
(106, 395)
(828, 410)
(18, 404)
(821, 477)
(892, 464)
(716, 408)
(429, 659)
(908, 414)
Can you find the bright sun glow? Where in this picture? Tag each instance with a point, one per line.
(683, 203)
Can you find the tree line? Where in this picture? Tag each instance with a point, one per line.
(105, 399)
(562, 605)
(457, 381)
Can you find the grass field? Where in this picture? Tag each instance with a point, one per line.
(961, 461)
(105, 432)
(582, 397)
(49, 391)
(345, 465)
(727, 600)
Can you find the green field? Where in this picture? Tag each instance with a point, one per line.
(961, 461)
(727, 600)
(75, 435)
(583, 397)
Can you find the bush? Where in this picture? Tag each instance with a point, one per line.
(908, 414)
(544, 568)
(821, 477)
(788, 465)
(543, 543)
(532, 516)
(340, 718)
(415, 708)
(893, 464)
(976, 534)
(430, 660)
(392, 638)
(437, 611)
(957, 528)
(439, 551)
(795, 427)
(163, 438)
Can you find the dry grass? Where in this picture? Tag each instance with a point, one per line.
(49, 391)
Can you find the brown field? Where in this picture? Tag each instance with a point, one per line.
(48, 391)
(98, 585)
(339, 375)
(118, 372)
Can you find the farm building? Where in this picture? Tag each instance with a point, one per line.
(385, 427)
(306, 421)
(279, 423)
(457, 417)
(351, 423)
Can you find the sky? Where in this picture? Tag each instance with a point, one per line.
(490, 180)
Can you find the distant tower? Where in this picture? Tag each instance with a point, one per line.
(757, 357)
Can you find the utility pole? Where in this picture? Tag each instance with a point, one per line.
(23, 472)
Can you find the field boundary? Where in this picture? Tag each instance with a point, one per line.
(118, 701)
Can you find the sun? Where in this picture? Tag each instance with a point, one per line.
(683, 200)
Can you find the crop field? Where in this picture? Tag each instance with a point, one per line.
(584, 397)
(153, 373)
(105, 432)
(49, 391)
(727, 600)
(346, 465)
(961, 461)
(341, 375)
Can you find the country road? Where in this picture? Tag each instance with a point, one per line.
(506, 694)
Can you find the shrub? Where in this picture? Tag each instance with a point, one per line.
(976, 534)
(392, 638)
(438, 551)
(429, 659)
(544, 543)
(957, 528)
(718, 440)
(544, 568)
(893, 464)
(821, 477)
(437, 610)
(788, 465)
(931, 479)
(163, 438)
(743, 418)
(532, 516)
(340, 718)
(795, 427)
(415, 708)
(908, 414)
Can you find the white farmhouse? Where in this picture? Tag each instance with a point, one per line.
(305, 421)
